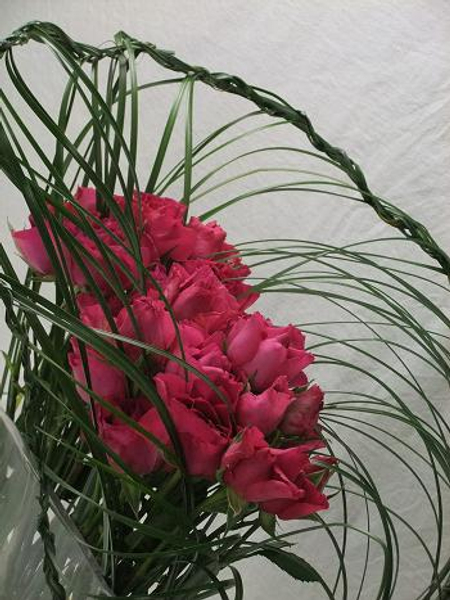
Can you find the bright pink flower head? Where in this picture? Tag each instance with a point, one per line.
(208, 240)
(302, 414)
(192, 337)
(232, 272)
(32, 249)
(102, 378)
(278, 407)
(263, 352)
(200, 396)
(199, 296)
(88, 304)
(134, 448)
(106, 271)
(149, 322)
(106, 381)
(275, 479)
(203, 444)
(163, 225)
(266, 410)
(87, 198)
(200, 349)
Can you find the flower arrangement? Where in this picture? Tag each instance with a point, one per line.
(170, 429)
(246, 386)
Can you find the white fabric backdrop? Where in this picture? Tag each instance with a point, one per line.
(373, 76)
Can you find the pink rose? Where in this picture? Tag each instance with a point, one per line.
(208, 239)
(104, 270)
(110, 233)
(200, 349)
(137, 451)
(266, 410)
(199, 396)
(32, 249)
(106, 381)
(202, 443)
(192, 336)
(163, 225)
(263, 352)
(232, 271)
(229, 269)
(160, 221)
(245, 338)
(157, 278)
(205, 353)
(278, 407)
(87, 198)
(94, 316)
(133, 448)
(302, 414)
(210, 353)
(196, 294)
(278, 480)
(89, 302)
(202, 419)
(154, 323)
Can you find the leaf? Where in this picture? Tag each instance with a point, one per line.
(159, 159)
(239, 585)
(217, 502)
(235, 502)
(296, 567)
(291, 564)
(132, 494)
(268, 522)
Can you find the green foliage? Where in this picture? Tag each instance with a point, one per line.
(291, 564)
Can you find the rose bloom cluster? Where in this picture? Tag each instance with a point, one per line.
(252, 420)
